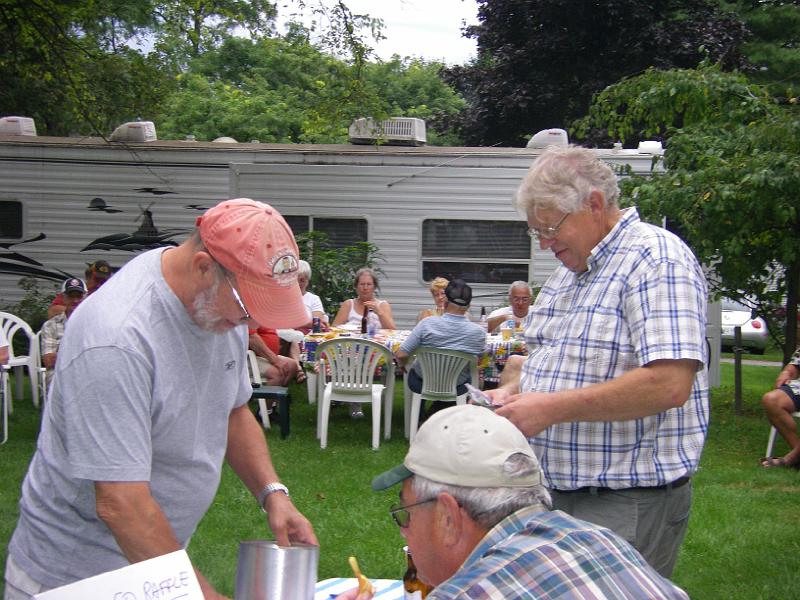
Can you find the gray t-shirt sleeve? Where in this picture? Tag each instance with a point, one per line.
(107, 432)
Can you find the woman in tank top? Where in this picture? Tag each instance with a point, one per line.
(352, 310)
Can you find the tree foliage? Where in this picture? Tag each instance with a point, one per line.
(66, 65)
(773, 46)
(184, 29)
(286, 90)
(732, 180)
(539, 61)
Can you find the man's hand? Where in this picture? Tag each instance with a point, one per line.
(288, 525)
(287, 366)
(788, 373)
(527, 411)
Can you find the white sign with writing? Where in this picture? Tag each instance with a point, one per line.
(168, 577)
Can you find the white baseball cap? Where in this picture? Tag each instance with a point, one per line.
(464, 445)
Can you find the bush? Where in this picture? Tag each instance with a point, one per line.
(333, 269)
(34, 304)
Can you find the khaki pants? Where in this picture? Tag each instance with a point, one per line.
(652, 521)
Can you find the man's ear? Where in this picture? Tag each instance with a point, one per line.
(203, 266)
(451, 519)
(596, 202)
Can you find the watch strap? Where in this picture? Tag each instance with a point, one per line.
(269, 489)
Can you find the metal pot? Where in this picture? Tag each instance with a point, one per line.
(266, 571)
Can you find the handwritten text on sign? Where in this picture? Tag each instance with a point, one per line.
(168, 577)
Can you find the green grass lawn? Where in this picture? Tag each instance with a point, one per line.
(741, 542)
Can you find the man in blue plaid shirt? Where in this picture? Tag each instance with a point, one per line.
(478, 523)
(614, 392)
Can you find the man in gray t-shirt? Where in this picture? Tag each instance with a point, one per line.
(149, 396)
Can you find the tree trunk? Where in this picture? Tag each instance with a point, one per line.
(792, 285)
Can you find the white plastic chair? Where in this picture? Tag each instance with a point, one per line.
(11, 324)
(4, 400)
(346, 373)
(772, 432)
(440, 372)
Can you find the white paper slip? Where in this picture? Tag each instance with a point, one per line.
(167, 577)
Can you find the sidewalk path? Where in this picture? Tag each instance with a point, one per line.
(756, 363)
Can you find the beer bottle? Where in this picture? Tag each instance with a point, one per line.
(484, 322)
(364, 320)
(414, 588)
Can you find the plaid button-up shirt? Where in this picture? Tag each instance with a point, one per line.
(536, 553)
(643, 298)
(52, 332)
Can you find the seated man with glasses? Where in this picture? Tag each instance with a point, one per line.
(518, 309)
(477, 519)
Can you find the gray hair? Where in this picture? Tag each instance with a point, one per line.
(303, 268)
(562, 178)
(519, 285)
(489, 506)
(366, 271)
(199, 246)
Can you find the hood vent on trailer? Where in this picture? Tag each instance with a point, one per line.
(397, 131)
(548, 137)
(17, 126)
(135, 131)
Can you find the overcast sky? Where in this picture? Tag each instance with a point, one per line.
(429, 29)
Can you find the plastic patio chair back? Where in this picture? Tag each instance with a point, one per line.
(348, 366)
(352, 363)
(440, 373)
(12, 325)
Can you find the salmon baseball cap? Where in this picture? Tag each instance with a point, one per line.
(252, 240)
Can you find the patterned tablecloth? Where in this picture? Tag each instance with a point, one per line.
(385, 589)
(490, 364)
(496, 354)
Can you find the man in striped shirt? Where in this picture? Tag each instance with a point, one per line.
(477, 519)
(613, 394)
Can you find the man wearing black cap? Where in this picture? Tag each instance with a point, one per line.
(73, 291)
(451, 331)
(97, 273)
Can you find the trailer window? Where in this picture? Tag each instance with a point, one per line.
(475, 251)
(341, 232)
(10, 219)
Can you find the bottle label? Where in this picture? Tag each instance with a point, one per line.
(415, 595)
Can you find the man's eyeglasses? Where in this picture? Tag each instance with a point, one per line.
(549, 232)
(238, 298)
(402, 516)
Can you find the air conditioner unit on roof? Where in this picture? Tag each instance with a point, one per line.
(397, 131)
(135, 131)
(17, 126)
(548, 137)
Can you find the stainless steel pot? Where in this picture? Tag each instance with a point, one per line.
(266, 571)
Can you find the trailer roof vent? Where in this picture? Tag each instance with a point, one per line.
(225, 140)
(135, 131)
(650, 147)
(397, 131)
(548, 137)
(17, 126)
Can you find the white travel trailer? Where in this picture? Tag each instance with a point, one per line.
(66, 202)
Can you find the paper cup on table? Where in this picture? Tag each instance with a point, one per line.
(266, 571)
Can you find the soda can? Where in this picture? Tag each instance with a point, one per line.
(310, 348)
(315, 325)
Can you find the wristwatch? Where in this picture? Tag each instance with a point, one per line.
(269, 489)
